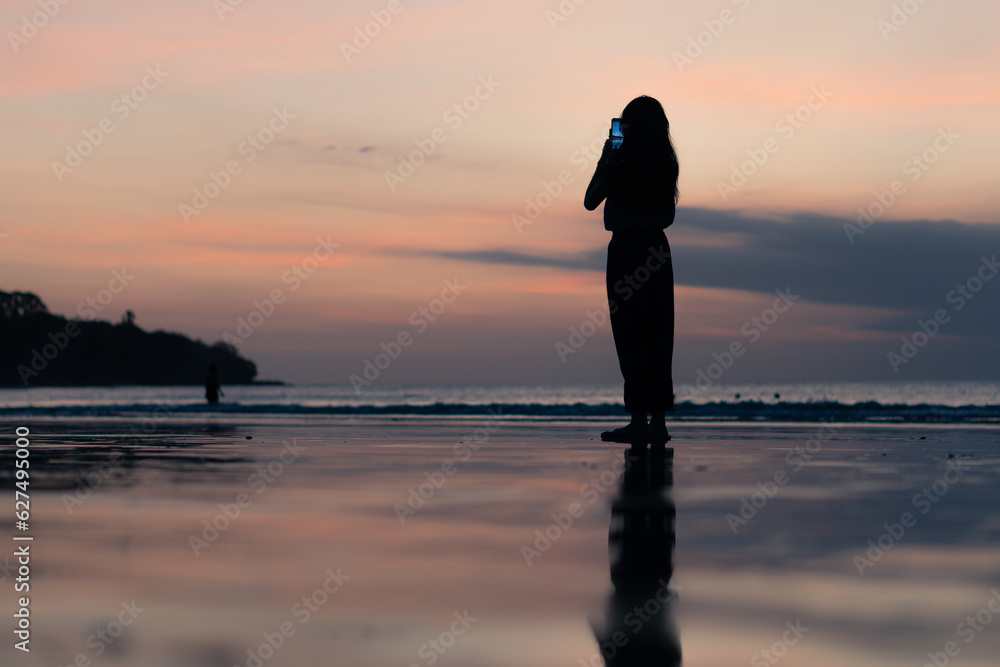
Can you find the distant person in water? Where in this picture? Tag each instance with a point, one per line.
(212, 388)
(637, 175)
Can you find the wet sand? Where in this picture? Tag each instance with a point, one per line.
(485, 543)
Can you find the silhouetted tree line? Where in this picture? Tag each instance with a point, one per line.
(38, 348)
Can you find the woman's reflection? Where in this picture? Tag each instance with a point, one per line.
(638, 625)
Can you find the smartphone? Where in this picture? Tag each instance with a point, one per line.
(616, 135)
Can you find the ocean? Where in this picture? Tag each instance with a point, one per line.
(948, 402)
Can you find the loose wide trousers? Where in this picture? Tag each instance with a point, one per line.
(640, 286)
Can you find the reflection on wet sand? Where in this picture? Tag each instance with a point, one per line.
(131, 538)
(638, 627)
(81, 460)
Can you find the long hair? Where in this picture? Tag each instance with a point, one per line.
(648, 169)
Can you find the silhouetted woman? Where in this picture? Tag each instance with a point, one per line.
(639, 181)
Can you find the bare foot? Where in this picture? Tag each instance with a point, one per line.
(633, 432)
(658, 429)
(658, 433)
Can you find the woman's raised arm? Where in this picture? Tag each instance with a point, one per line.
(598, 188)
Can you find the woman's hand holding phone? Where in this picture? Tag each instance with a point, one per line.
(616, 135)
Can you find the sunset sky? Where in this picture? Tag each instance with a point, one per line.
(208, 148)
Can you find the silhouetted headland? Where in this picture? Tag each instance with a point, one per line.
(39, 348)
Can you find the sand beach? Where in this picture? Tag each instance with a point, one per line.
(216, 541)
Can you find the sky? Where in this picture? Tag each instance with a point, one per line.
(406, 178)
